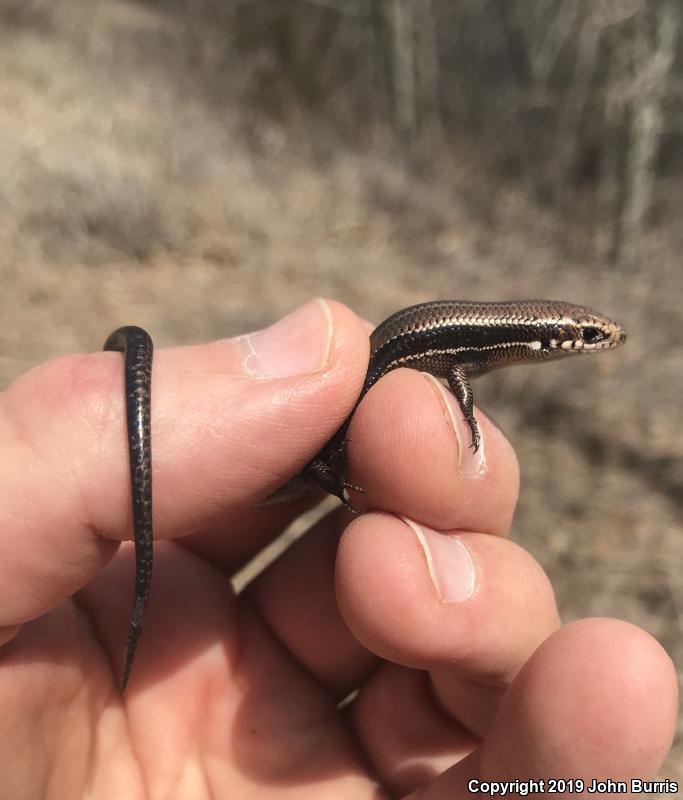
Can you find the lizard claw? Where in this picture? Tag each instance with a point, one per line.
(346, 502)
(476, 436)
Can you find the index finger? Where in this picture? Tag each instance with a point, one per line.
(411, 450)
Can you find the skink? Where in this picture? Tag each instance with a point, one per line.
(454, 340)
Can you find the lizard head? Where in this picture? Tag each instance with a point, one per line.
(580, 330)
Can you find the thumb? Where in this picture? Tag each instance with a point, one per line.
(231, 421)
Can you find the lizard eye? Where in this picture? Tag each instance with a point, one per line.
(591, 335)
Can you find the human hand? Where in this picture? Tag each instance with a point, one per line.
(452, 641)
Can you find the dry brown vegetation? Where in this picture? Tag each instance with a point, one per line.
(200, 168)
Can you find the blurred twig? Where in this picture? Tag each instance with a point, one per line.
(651, 57)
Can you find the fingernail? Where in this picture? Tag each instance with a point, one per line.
(298, 344)
(449, 563)
(469, 462)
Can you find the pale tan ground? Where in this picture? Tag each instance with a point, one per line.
(130, 194)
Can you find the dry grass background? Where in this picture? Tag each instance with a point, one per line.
(132, 190)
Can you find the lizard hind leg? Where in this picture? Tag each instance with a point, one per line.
(329, 470)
